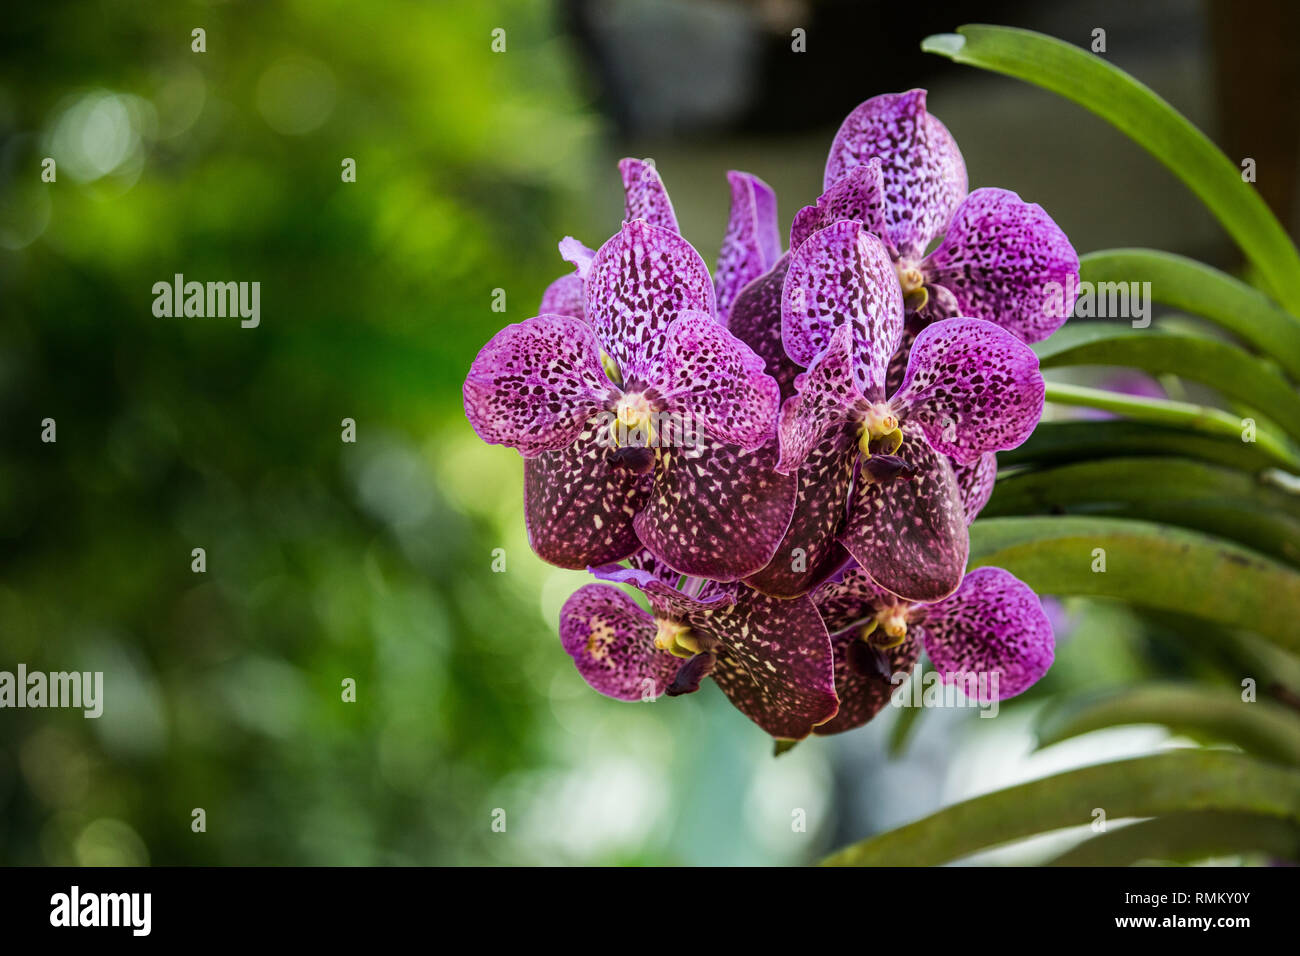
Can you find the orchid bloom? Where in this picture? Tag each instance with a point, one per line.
(848, 398)
(897, 169)
(975, 484)
(970, 388)
(771, 658)
(752, 243)
(991, 636)
(826, 476)
(646, 384)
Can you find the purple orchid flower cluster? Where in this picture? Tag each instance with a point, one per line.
(787, 454)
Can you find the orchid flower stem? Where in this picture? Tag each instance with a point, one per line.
(1202, 418)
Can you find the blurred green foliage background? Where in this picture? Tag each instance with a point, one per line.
(325, 560)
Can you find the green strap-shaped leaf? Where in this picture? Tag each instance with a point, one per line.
(1186, 780)
(1220, 501)
(1232, 652)
(1186, 838)
(1259, 727)
(1135, 110)
(1228, 369)
(1194, 287)
(1199, 418)
(1149, 565)
(1062, 442)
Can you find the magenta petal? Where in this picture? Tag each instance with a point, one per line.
(611, 640)
(535, 385)
(579, 504)
(975, 483)
(910, 536)
(769, 227)
(1005, 260)
(717, 512)
(806, 221)
(751, 244)
(843, 275)
(775, 663)
(809, 553)
(924, 174)
(707, 374)
(571, 250)
(827, 399)
(565, 296)
(639, 281)
(644, 195)
(993, 625)
(755, 319)
(972, 386)
(859, 194)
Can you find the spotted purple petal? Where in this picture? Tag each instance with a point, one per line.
(716, 511)
(923, 171)
(755, 319)
(639, 281)
(843, 275)
(611, 640)
(910, 536)
(806, 221)
(826, 400)
(769, 227)
(859, 194)
(1005, 260)
(710, 376)
(579, 503)
(975, 483)
(773, 658)
(751, 244)
(972, 386)
(993, 624)
(809, 553)
(775, 663)
(644, 195)
(571, 250)
(535, 384)
(565, 296)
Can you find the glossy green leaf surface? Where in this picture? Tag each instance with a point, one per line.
(1189, 780)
